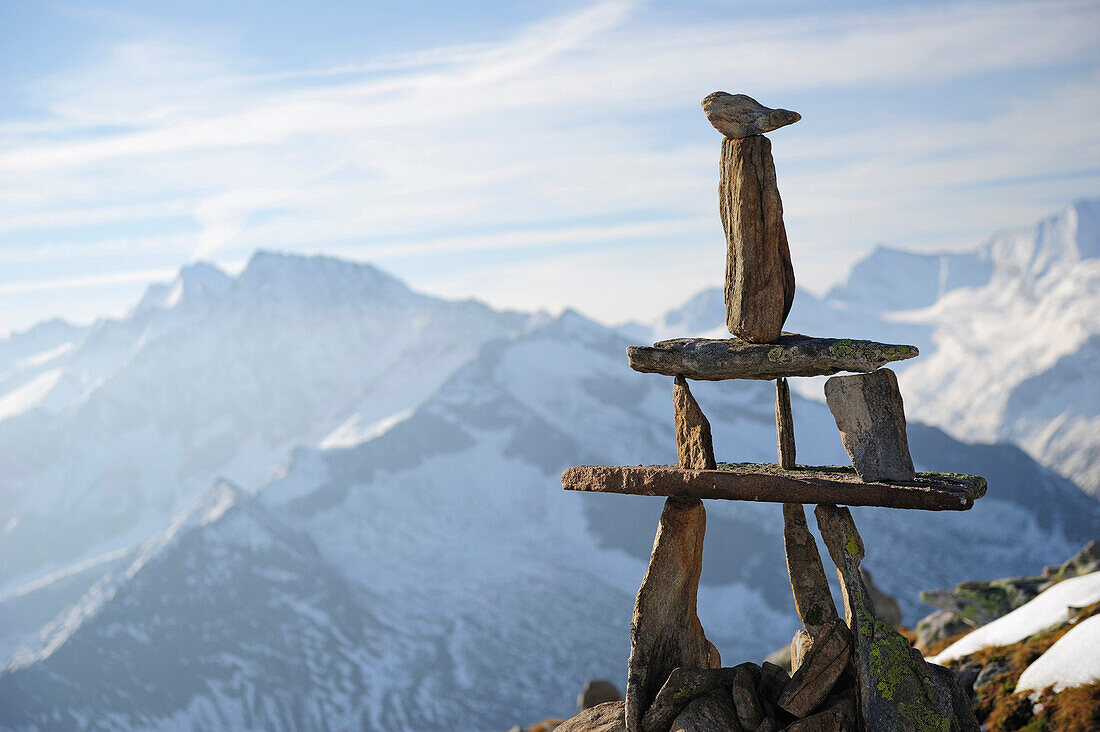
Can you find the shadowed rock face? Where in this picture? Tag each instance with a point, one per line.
(738, 115)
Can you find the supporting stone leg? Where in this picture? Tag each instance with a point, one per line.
(809, 584)
(665, 632)
(759, 275)
(896, 688)
(784, 425)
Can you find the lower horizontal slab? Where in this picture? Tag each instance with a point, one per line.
(768, 482)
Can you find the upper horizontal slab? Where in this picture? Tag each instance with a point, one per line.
(716, 359)
(772, 484)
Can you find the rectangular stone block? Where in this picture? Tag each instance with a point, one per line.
(871, 417)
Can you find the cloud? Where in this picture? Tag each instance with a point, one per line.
(577, 131)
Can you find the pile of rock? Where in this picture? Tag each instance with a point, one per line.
(856, 673)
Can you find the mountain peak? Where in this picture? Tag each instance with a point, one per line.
(316, 277)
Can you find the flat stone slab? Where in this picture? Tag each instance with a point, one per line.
(769, 483)
(717, 359)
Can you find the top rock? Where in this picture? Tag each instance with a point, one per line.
(737, 115)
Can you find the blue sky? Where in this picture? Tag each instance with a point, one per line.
(529, 154)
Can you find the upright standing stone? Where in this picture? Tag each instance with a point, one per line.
(759, 275)
(809, 585)
(693, 441)
(895, 689)
(666, 632)
(871, 417)
(784, 424)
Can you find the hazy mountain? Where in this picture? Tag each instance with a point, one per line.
(1009, 335)
(209, 376)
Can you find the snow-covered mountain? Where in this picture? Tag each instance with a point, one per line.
(123, 424)
(435, 576)
(1009, 335)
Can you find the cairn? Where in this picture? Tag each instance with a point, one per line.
(858, 673)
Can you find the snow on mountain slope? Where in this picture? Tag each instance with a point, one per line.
(1009, 335)
(439, 578)
(215, 376)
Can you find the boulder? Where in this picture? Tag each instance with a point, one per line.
(745, 699)
(683, 685)
(939, 626)
(597, 691)
(871, 417)
(606, 717)
(711, 713)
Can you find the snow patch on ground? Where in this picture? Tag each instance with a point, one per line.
(1049, 609)
(1073, 661)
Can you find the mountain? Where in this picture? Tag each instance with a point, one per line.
(1009, 335)
(435, 576)
(209, 376)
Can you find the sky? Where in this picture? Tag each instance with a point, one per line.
(530, 154)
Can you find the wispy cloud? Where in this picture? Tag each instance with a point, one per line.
(922, 125)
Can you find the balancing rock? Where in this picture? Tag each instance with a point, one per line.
(784, 425)
(759, 274)
(871, 417)
(739, 115)
(809, 585)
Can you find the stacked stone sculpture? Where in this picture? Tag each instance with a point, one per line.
(855, 673)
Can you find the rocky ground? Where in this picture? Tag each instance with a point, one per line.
(999, 678)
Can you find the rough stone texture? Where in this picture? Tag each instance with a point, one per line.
(693, 442)
(773, 679)
(771, 484)
(948, 684)
(597, 691)
(738, 115)
(939, 625)
(768, 725)
(745, 700)
(809, 585)
(759, 274)
(840, 716)
(896, 690)
(980, 602)
(886, 607)
(800, 646)
(682, 686)
(817, 674)
(711, 713)
(665, 632)
(607, 717)
(718, 359)
(869, 412)
(784, 425)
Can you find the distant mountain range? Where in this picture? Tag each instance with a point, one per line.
(307, 495)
